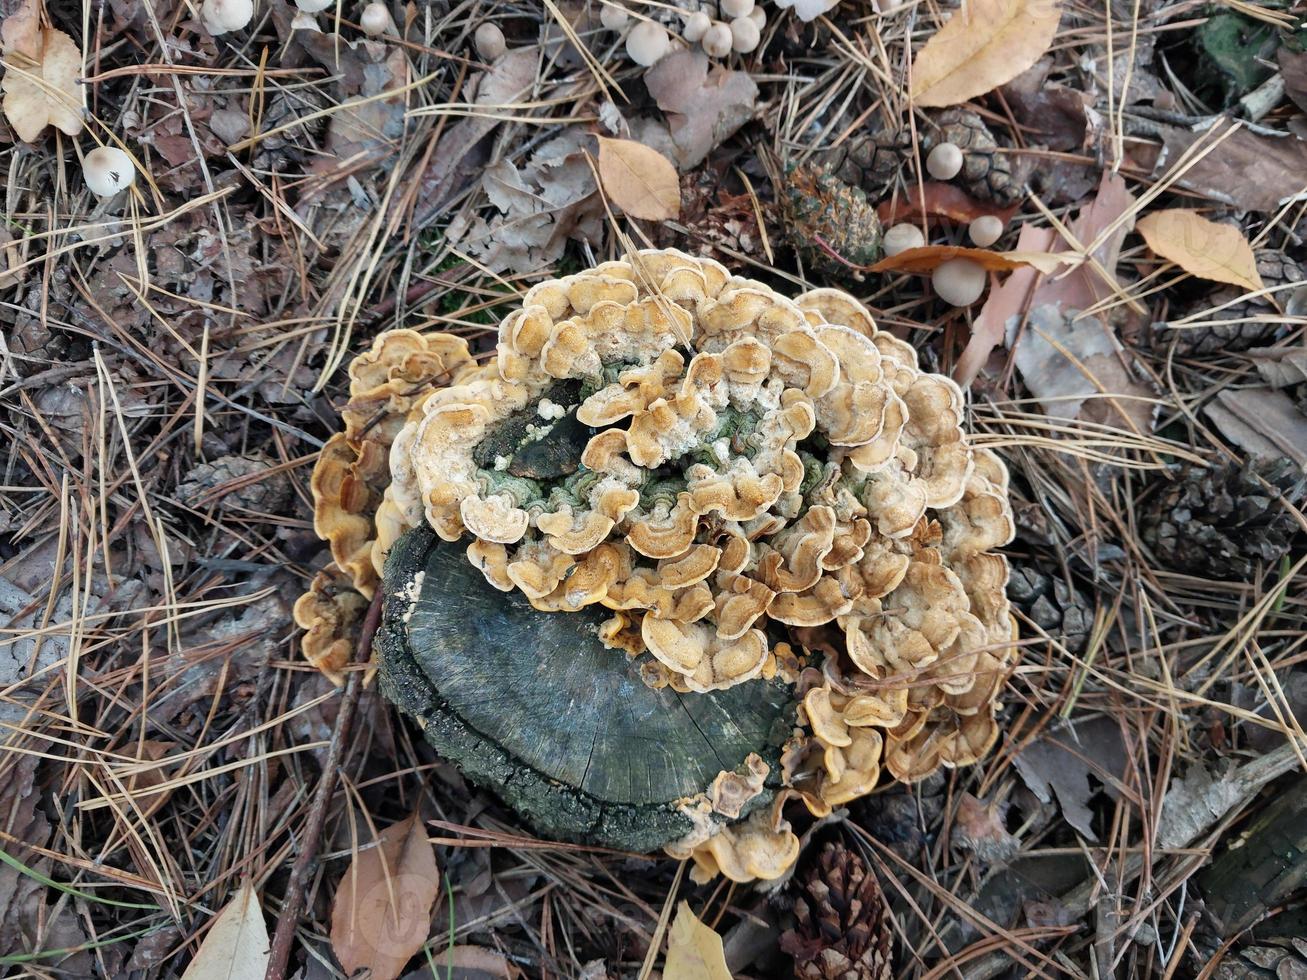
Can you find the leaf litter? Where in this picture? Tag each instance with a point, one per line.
(300, 190)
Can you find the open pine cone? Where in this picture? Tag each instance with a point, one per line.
(714, 464)
(842, 930)
(1243, 324)
(1223, 521)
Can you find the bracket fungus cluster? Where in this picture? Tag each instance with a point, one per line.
(754, 513)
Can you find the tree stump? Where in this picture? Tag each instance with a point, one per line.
(532, 706)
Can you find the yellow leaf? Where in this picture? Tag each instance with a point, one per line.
(694, 952)
(41, 84)
(236, 946)
(382, 911)
(983, 45)
(639, 180)
(1201, 247)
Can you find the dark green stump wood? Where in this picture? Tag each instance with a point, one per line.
(532, 706)
(1266, 868)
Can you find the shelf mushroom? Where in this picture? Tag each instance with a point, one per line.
(623, 523)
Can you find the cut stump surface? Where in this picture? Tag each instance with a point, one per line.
(534, 707)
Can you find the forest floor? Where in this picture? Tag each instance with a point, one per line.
(172, 362)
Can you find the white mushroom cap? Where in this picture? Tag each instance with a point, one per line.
(958, 282)
(759, 17)
(745, 35)
(376, 20)
(810, 10)
(696, 26)
(221, 16)
(647, 43)
(489, 41)
(614, 17)
(108, 170)
(902, 237)
(314, 6)
(985, 230)
(944, 162)
(305, 21)
(717, 41)
(736, 8)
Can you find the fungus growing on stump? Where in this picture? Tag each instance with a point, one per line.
(698, 548)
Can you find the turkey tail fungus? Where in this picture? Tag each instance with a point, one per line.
(685, 550)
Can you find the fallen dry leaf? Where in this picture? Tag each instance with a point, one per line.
(1004, 306)
(382, 911)
(978, 828)
(1061, 762)
(1201, 247)
(1000, 319)
(1262, 422)
(1246, 170)
(694, 951)
(41, 86)
(983, 45)
(477, 959)
(639, 180)
(1293, 68)
(459, 155)
(544, 203)
(364, 119)
(236, 945)
(937, 198)
(928, 257)
(703, 107)
(1280, 366)
(1054, 115)
(1076, 368)
(32, 915)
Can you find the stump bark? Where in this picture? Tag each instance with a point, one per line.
(532, 706)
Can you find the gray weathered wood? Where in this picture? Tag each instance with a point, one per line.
(533, 706)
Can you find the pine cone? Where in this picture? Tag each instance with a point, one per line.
(1272, 959)
(1222, 522)
(822, 209)
(843, 928)
(986, 174)
(871, 161)
(1276, 269)
(1052, 604)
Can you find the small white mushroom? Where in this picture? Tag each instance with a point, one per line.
(221, 16)
(305, 21)
(717, 40)
(108, 170)
(985, 230)
(944, 162)
(614, 17)
(376, 20)
(647, 43)
(958, 282)
(745, 35)
(489, 41)
(696, 26)
(759, 17)
(902, 237)
(314, 6)
(736, 8)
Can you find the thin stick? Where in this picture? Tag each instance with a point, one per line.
(288, 920)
